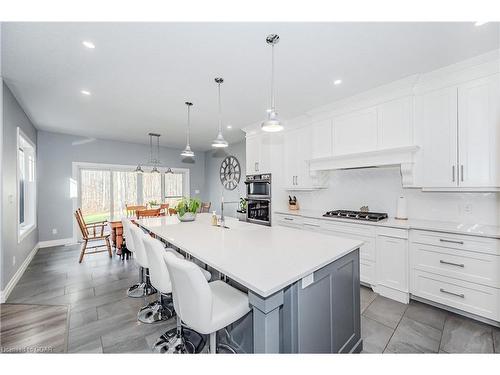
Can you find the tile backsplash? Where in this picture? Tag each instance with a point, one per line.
(379, 188)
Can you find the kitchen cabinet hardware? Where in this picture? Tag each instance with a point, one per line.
(451, 293)
(451, 263)
(453, 173)
(462, 173)
(451, 241)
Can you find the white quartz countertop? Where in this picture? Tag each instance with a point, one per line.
(263, 259)
(491, 231)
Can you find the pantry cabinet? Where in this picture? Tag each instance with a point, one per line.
(461, 135)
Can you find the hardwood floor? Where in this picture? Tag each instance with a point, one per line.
(102, 319)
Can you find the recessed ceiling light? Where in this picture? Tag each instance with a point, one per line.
(85, 92)
(88, 44)
(337, 82)
(229, 127)
(480, 23)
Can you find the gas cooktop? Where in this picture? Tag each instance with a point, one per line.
(357, 215)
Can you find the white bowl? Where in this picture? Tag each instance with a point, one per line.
(188, 216)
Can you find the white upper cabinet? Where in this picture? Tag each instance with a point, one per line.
(252, 154)
(394, 124)
(322, 140)
(258, 154)
(355, 132)
(461, 135)
(436, 113)
(479, 132)
(297, 147)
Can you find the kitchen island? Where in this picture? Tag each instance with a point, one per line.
(303, 287)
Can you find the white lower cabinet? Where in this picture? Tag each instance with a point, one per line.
(392, 264)
(458, 271)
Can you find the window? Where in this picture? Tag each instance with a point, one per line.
(124, 192)
(96, 193)
(106, 190)
(173, 188)
(26, 185)
(151, 187)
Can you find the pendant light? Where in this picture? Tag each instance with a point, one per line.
(139, 169)
(188, 153)
(219, 142)
(156, 159)
(272, 123)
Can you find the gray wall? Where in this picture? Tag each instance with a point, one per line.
(214, 188)
(57, 152)
(13, 117)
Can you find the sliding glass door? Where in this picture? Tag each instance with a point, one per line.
(95, 195)
(105, 191)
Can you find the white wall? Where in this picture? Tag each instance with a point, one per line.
(379, 188)
(213, 186)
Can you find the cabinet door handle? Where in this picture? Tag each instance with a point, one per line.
(453, 173)
(453, 294)
(287, 218)
(462, 172)
(450, 241)
(451, 263)
(296, 180)
(256, 166)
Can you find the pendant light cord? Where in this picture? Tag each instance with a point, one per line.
(220, 112)
(273, 103)
(151, 149)
(157, 150)
(189, 122)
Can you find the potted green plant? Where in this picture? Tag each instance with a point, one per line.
(242, 210)
(187, 208)
(153, 204)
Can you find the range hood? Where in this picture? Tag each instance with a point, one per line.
(403, 156)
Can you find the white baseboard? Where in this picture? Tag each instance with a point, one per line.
(397, 295)
(19, 273)
(60, 242)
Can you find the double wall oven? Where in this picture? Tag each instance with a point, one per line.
(259, 198)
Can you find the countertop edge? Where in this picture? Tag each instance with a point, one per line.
(401, 224)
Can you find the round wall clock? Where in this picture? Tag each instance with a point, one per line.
(230, 173)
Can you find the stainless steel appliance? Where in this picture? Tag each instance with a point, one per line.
(259, 198)
(357, 215)
(258, 186)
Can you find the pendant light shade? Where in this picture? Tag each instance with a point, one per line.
(272, 122)
(187, 152)
(219, 142)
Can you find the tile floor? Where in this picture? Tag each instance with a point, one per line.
(104, 320)
(388, 326)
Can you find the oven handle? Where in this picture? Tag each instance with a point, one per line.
(266, 181)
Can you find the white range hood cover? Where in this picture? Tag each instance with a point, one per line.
(403, 156)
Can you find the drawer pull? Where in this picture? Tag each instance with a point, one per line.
(450, 241)
(287, 218)
(453, 294)
(451, 263)
(311, 225)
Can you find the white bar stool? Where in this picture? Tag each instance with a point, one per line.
(142, 288)
(205, 307)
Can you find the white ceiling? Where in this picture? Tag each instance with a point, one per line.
(140, 74)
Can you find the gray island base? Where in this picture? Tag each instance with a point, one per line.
(303, 288)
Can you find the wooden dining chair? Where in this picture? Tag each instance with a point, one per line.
(91, 233)
(172, 211)
(154, 212)
(205, 207)
(131, 209)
